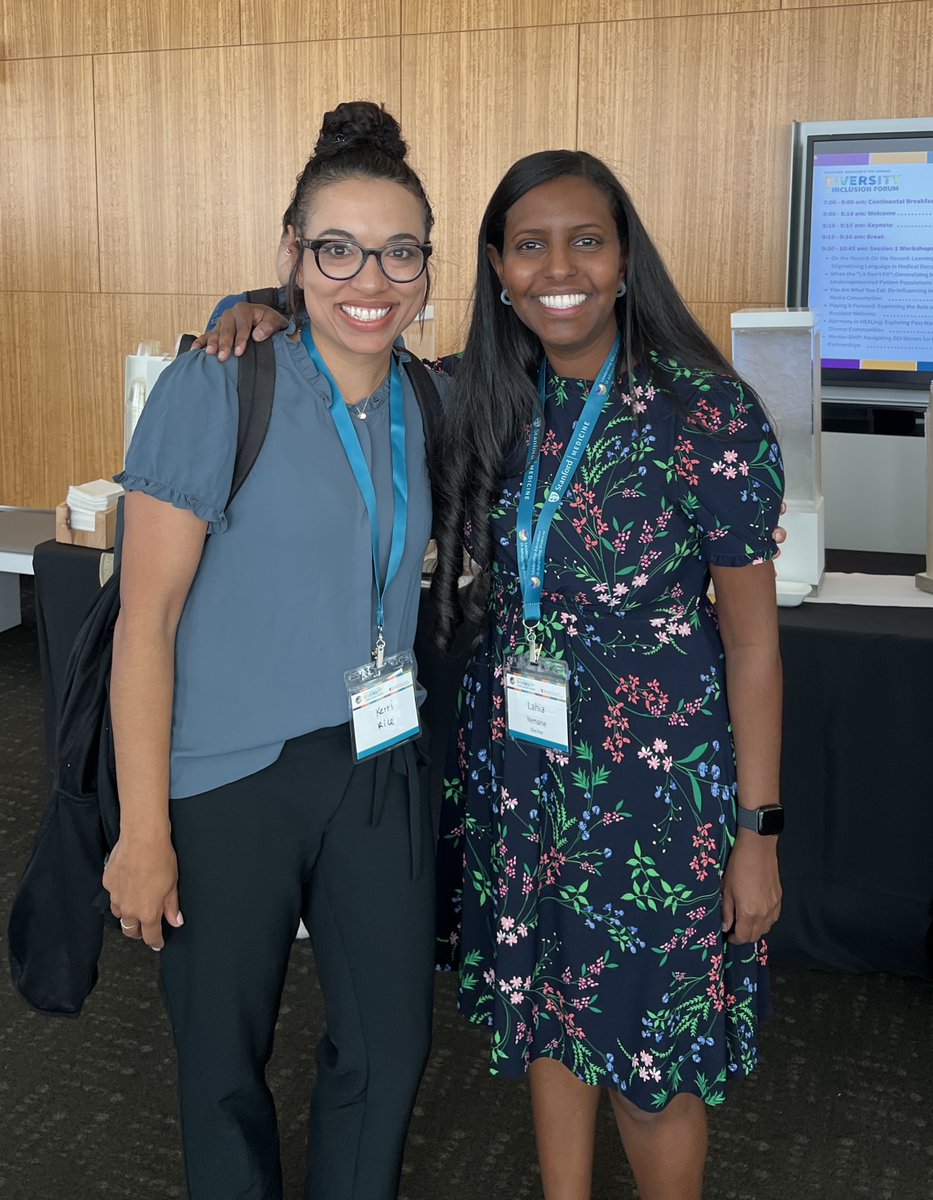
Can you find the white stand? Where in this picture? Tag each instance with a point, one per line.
(778, 352)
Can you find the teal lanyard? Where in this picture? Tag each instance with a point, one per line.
(364, 479)
(532, 544)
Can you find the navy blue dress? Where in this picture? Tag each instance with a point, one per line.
(586, 912)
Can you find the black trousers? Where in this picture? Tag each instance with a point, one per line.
(348, 848)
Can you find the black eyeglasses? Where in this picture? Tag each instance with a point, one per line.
(400, 262)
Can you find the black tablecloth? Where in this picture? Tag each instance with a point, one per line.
(857, 854)
(856, 779)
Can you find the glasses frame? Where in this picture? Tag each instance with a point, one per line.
(315, 244)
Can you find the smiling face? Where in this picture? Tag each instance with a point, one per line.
(562, 263)
(358, 319)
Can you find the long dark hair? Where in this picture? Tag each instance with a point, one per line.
(358, 140)
(494, 393)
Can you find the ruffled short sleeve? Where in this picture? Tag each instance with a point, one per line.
(728, 468)
(184, 445)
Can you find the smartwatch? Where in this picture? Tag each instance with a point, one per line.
(767, 821)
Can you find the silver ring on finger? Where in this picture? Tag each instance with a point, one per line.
(132, 924)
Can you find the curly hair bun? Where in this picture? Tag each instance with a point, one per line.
(360, 123)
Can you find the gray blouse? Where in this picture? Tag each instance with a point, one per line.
(283, 601)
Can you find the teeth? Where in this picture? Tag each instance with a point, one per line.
(562, 301)
(364, 314)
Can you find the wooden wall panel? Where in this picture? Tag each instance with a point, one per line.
(61, 385)
(457, 15)
(710, 163)
(450, 325)
(486, 122)
(48, 202)
(847, 3)
(316, 20)
(38, 29)
(194, 174)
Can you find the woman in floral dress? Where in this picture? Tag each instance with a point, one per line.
(607, 914)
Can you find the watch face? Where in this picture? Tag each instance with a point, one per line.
(771, 820)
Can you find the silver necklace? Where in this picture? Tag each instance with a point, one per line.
(373, 400)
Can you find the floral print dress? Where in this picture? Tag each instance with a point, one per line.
(584, 909)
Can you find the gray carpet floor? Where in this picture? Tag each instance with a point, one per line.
(841, 1108)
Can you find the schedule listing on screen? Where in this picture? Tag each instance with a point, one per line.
(870, 254)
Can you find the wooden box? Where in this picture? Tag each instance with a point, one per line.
(102, 537)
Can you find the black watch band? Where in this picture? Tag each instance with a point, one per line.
(768, 821)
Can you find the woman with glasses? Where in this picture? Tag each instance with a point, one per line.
(248, 800)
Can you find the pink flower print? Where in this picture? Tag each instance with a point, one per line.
(507, 922)
(522, 931)
(730, 472)
(569, 622)
(628, 687)
(685, 463)
(653, 762)
(489, 976)
(551, 445)
(511, 939)
(659, 745)
(567, 975)
(706, 416)
(667, 762)
(640, 580)
(656, 701)
(497, 729)
(508, 801)
(730, 456)
(697, 914)
(555, 756)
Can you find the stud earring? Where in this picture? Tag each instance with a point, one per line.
(504, 297)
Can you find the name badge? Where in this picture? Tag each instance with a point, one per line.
(537, 701)
(383, 709)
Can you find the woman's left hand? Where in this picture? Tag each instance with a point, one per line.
(751, 888)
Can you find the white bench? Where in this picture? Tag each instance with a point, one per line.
(21, 530)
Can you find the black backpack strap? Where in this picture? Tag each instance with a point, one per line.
(429, 401)
(255, 388)
(432, 416)
(269, 296)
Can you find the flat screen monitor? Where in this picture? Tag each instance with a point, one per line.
(860, 250)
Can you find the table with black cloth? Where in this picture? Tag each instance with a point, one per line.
(856, 777)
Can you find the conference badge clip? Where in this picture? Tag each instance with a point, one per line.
(537, 699)
(383, 708)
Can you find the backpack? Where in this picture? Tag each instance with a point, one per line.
(56, 923)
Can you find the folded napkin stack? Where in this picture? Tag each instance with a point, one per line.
(86, 500)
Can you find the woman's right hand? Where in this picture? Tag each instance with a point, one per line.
(234, 327)
(142, 879)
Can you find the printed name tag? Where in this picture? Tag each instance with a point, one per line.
(383, 709)
(537, 701)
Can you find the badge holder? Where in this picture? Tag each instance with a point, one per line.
(537, 699)
(383, 708)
